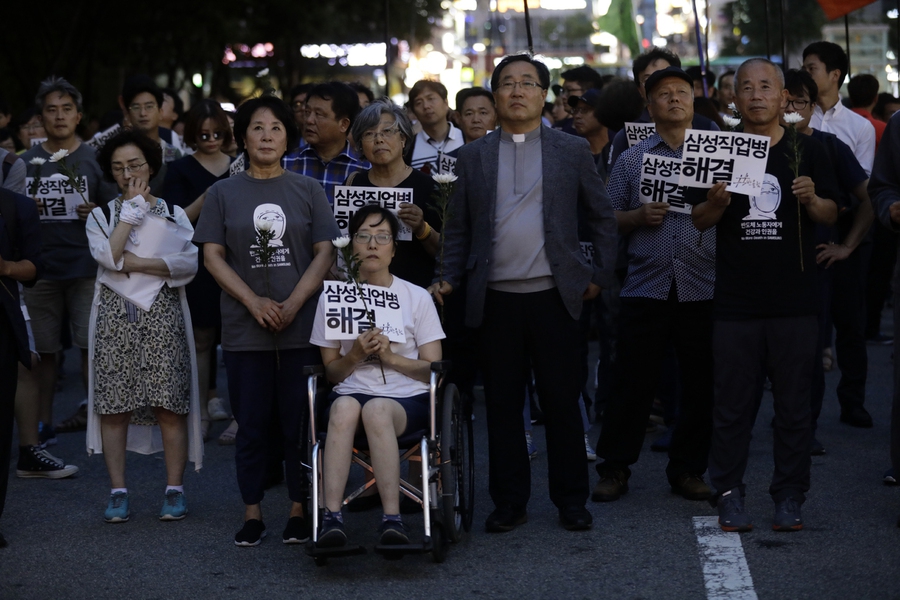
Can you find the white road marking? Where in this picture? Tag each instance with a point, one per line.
(725, 569)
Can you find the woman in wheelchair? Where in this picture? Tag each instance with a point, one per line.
(383, 408)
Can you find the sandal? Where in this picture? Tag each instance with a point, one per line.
(77, 422)
(227, 437)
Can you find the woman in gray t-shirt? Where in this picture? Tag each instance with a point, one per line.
(266, 236)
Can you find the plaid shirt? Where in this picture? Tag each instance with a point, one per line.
(306, 161)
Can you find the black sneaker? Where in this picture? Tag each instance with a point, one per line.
(787, 516)
(731, 512)
(296, 531)
(34, 462)
(575, 518)
(856, 416)
(505, 518)
(393, 533)
(251, 534)
(816, 448)
(332, 534)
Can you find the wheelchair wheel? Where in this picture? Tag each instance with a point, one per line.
(456, 465)
(467, 474)
(438, 543)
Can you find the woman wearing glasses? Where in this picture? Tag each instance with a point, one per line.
(266, 236)
(385, 408)
(206, 131)
(142, 369)
(382, 131)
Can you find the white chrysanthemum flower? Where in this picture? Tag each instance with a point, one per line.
(37, 161)
(444, 178)
(264, 225)
(792, 118)
(59, 155)
(263, 73)
(732, 107)
(731, 121)
(341, 242)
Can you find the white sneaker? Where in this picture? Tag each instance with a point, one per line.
(591, 455)
(216, 408)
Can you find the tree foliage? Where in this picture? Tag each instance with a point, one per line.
(803, 20)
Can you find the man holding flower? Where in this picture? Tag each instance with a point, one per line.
(67, 285)
(766, 302)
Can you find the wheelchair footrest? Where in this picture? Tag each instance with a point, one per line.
(348, 550)
(401, 549)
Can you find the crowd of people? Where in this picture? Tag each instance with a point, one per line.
(172, 231)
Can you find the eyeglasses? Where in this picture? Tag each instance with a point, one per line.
(527, 86)
(218, 135)
(571, 91)
(382, 239)
(32, 126)
(127, 169)
(798, 104)
(385, 134)
(137, 108)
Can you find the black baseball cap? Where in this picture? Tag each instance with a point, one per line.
(658, 76)
(590, 97)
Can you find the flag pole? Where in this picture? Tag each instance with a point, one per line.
(700, 48)
(784, 62)
(766, 9)
(847, 35)
(528, 29)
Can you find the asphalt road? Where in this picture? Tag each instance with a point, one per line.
(643, 546)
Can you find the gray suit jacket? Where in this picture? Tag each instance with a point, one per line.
(572, 189)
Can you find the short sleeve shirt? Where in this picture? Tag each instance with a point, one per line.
(301, 217)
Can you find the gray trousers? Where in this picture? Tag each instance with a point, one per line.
(745, 352)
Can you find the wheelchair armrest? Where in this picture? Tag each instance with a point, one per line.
(314, 370)
(441, 366)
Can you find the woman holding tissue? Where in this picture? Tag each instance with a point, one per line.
(143, 371)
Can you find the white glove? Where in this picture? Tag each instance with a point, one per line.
(133, 210)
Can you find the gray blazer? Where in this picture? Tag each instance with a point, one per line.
(572, 188)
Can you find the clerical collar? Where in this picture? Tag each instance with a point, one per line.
(518, 138)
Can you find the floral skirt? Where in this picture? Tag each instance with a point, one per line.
(141, 358)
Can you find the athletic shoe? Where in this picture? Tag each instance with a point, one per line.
(575, 518)
(251, 534)
(393, 533)
(46, 435)
(731, 512)
(35, 462)
(816, 448)
(505, 518)
(890, 478)
(296, 531)
(117, 509)
(216, 408)
(691, 487)
(589, 450)
(332, 534)
(787, 516)
(174, 508)
(532, 447)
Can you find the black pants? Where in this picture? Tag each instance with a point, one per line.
(895, 406)
(647, 328)
(535, 329)
(9, 358)
(259, 391)
(744, 353)
(878, 281)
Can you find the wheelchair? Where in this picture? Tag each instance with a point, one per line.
(445, 450)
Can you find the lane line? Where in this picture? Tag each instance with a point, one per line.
(725, 569)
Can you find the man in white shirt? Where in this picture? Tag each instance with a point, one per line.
(439, 136)
(827, 64)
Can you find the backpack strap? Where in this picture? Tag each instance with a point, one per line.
(8, 161)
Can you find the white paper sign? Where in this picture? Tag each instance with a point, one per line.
(237, 166)
(713, 156)
(37, 141)
(157, 237)
(587, 250)
(446, 164)
(659, 182)
(345, 312)
(59, 201)
(638, 132)
(349, 199)
(100, 139)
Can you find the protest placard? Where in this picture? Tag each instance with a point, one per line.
(102, 137)
(37, 141)
(58, 200)
(349, 199)
(345, 311)
(738, 159)
(587, 250)
(659, 182)
(638, 132)
(237, 166)
(446, 164)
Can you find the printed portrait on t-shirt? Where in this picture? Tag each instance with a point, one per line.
(764, 205)
(275, 215)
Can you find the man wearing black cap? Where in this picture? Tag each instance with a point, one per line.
(576, 82)
(585, 123)
(666, 299)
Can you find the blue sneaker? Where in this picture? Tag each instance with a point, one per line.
(731, 512)
(117, 510)
(174, 508)
(787, 516)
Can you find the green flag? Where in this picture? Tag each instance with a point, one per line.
(619, 21)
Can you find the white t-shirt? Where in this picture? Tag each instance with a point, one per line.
(421, 325)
